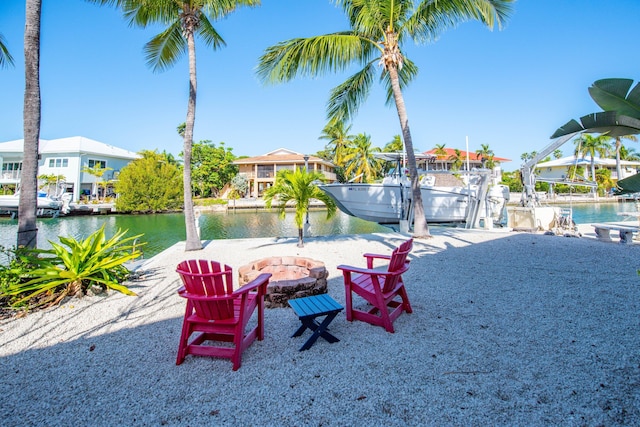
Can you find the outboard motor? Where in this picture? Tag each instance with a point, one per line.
(497, 199)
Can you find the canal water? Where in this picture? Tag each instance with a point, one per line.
(161, 231)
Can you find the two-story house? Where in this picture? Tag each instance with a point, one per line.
(66, 158)
(261, 170)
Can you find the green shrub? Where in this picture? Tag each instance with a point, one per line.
(44, 277)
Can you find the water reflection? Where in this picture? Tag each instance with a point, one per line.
(162, 231)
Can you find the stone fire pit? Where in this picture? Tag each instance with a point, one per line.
(292, 277)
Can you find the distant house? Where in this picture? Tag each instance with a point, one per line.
(445, 162)
(66, 157)
(261, 170)
(558, 169)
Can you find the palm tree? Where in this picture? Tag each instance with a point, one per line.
(297, 188)
(5, 57)
(557, 153)
(588, 144)
(618, 146)
(360, 161)
(441, 153)
(629, 154)
(378, 28)
(457, 159)
(184, 19)
(395, 145)
(28, 203)
(486, 154)
(339, 140)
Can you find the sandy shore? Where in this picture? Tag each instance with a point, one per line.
(508, 329)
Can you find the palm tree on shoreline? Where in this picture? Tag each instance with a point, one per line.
(184, 20)
(359, 162)
(378, 29)
(296, 188)
(28, 202)
(591, 145)
(618, 147)
(337, 133)
(5, 57)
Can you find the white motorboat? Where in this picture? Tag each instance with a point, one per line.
(389, 202)
(47, 205)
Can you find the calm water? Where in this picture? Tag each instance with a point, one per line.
(162, 231)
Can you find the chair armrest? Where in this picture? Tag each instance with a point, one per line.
(261, 280)
(371, 271)
(378, 256)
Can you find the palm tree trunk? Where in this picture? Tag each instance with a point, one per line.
(28, 204)
(193, 242)
(300, 238)
(420, 227)
(618, 167)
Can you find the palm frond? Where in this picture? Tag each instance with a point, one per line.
(313, 56)
(209, 35)
(5, 57)
(166, 48)
(346, 98)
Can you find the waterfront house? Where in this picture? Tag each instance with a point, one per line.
(558, 169)
(446, 161)
(66, 157)
(260, 171)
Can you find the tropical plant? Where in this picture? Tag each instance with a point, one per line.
(441, 153)
(297, 188)
(28, 202)
(457, 160)
(486, 155)
(50, 180)
(337, 133)
(149, 184)
(378, 29)
(361, 164)
(629, 154)
(73, 267)
(212, 168)
(184, 20)
(618, 146)
(587, 144)
(5, 57)
(394, 146)
(98, 173)
(239, 185)
(557, 154)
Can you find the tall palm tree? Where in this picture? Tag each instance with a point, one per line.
(5, 57)
(395, 145)
(297, 187)
(28, 203)
(629, 154)
(360, 161)
(378, 29)
(337, 133)
(588, 144)
(618, 146)
(184, 19)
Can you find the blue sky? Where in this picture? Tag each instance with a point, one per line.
(510, 89)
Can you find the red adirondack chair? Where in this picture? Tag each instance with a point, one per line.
(218, 313)
(379, 288)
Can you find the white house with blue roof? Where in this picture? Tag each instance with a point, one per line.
(66, 157)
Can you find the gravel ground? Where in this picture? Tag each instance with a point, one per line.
(508, 329)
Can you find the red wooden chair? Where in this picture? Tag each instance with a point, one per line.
(379, 288)
(218, 313)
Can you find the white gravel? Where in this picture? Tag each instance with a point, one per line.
(508, 329)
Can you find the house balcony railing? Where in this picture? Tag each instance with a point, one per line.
(11, 175)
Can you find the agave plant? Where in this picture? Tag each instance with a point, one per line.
(72, 267)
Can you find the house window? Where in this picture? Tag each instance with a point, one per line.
(98, 164)
(265, 171)
(11, 166)
(58, 163)
(281, 167)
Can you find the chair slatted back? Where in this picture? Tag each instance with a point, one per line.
(397, 263)
(211, 279)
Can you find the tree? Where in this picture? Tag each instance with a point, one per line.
(360, 162)
(441, 153)
(212, 168)
(28, 203)
(618, 147)
(486, 155)
(378, 28)
(629, 154)
(457, 160)
(395, 145)
(337, 133)
(149, 184)
(5, 57)
(239, 186)
(184, 20)
(587, 144)
(297, 188)
(557, 153)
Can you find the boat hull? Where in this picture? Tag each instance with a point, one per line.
(388, 204)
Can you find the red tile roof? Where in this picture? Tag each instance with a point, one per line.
(472, 156)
